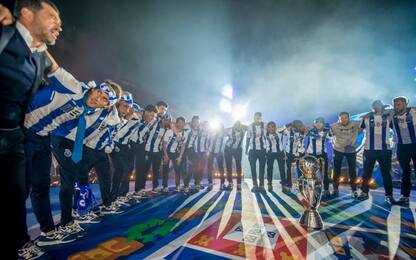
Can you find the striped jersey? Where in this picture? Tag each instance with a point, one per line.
(256, 136)
(56, 108)
(126, 131)
(58, 102)
(93, 124)
(274, 143)
(377, 129)
(404, 127)
(235, 137)
(175, 140)
(141, 133)
(202, 141)
(216, 142)
(104, 139)
(295, 142)
(316, 141)
(191, 139)
(104, 135)
(156, 134)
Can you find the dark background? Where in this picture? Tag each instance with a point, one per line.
(289, 59)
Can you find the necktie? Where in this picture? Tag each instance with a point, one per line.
(79, 138)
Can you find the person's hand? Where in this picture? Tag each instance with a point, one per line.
(178, 160)
(173, 127)
(54, 65)
(365, 116)
(6, 18)
(165, 159)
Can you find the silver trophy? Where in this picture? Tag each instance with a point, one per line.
(310, 187)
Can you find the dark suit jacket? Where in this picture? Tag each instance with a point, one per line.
(18, 74)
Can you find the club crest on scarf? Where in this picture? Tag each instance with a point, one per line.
(86, 200)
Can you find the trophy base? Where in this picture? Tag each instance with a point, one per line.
(311, 219)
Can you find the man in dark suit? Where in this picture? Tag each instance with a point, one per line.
(22, 60)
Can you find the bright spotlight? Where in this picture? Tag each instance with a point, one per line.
(239, 111)
(214, 124)
(226, 106)
(227, 91)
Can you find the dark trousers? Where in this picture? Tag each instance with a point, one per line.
(280, 158)
(324, 169)
(12, 163)
(140, 166)
(237, 153)
(253, 156)
(351, 160)
(290, 158)
(178, 168)
(38, 172)
(122, 158)
(99, 160)
(383, 157)
(405, 153)
(195, 167)
(155, 162)
(218, 157)
(69, 172)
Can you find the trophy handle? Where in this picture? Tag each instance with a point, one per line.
(316, 199)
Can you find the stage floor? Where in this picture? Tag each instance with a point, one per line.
(237, 225)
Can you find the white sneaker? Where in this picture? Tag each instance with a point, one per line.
(65, 234)
(109, 210)
(166, 190)
(363, 196)
(72, 229)
(354, 194)
(134, 195)
(30, 251)
(122, 202)
(90, 218)
(143, 193)
(177, 189)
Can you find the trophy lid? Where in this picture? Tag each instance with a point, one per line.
(309, 166)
